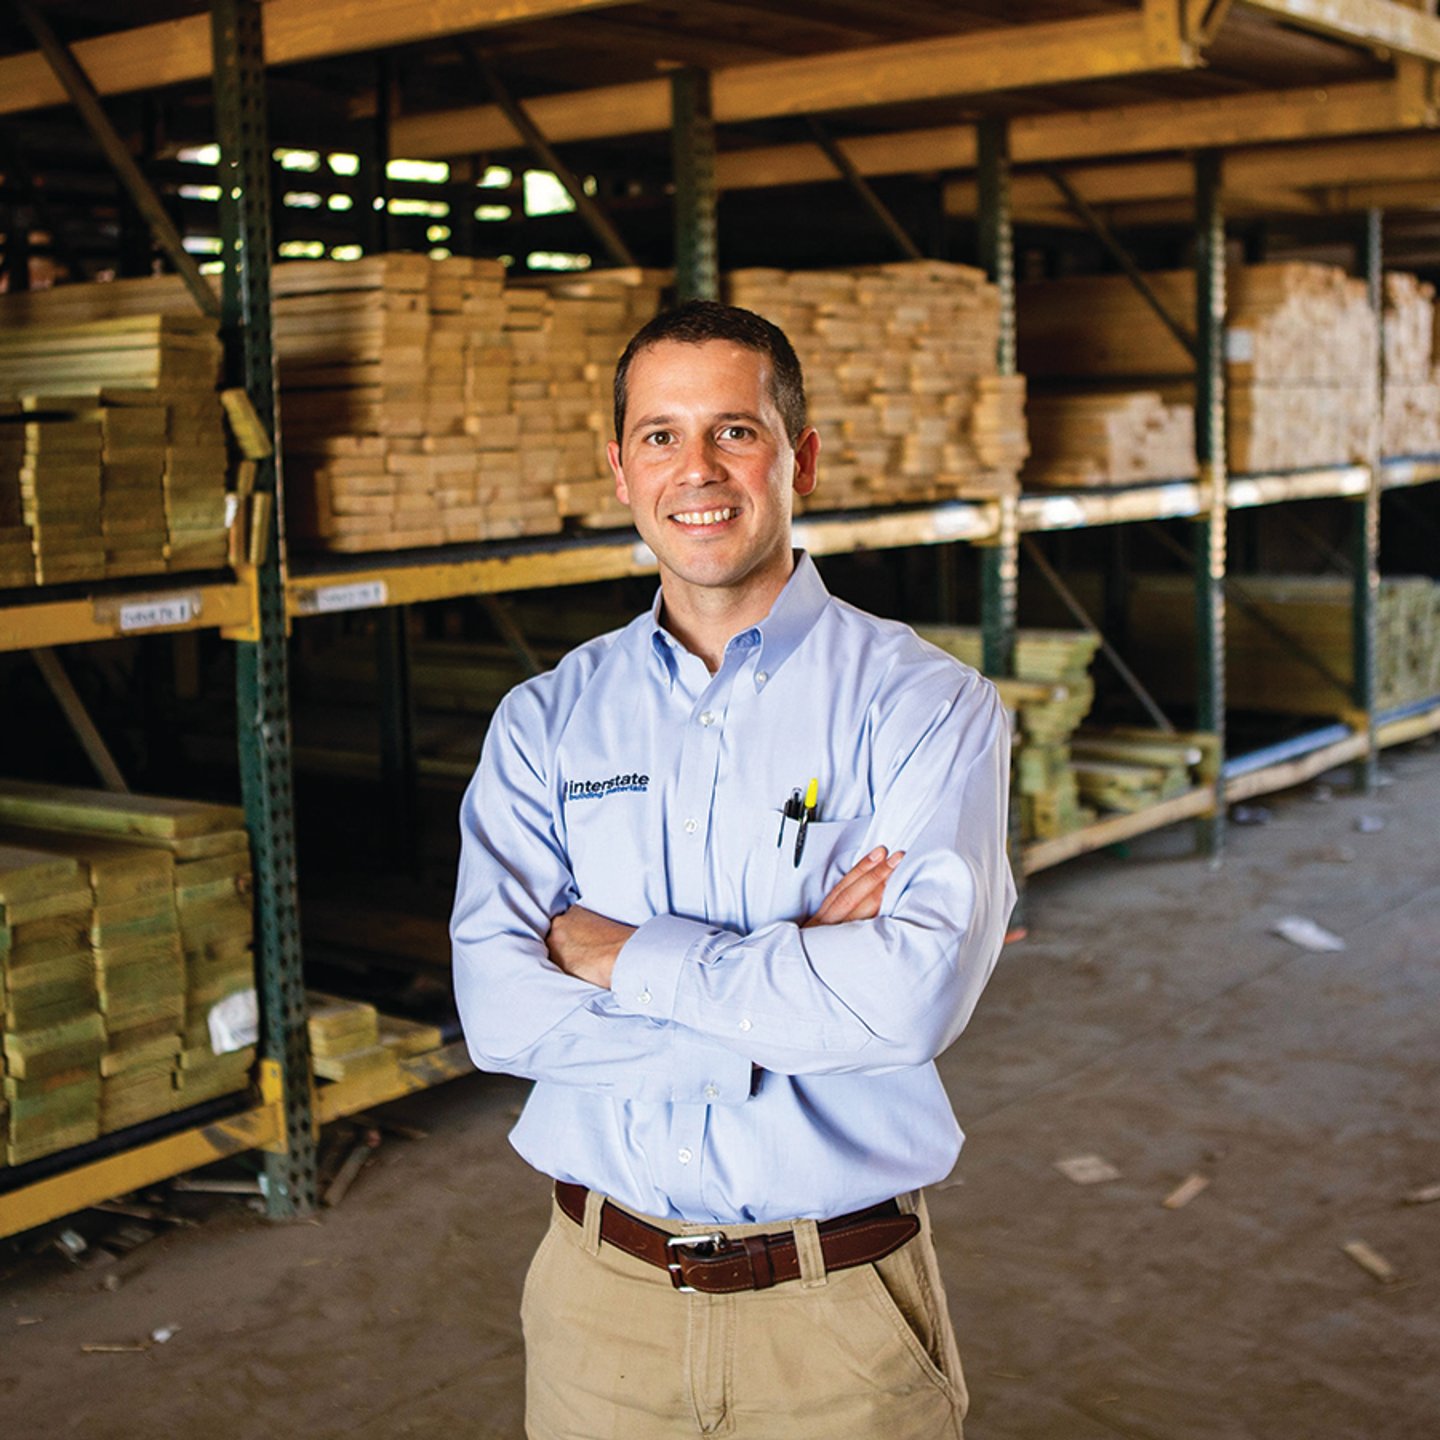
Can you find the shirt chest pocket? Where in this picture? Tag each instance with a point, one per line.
(796, 891)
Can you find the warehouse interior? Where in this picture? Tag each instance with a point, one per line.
(1119, 327)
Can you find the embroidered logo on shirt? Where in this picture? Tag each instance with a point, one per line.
(599, 789)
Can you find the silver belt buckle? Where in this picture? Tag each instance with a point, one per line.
(714, 1238)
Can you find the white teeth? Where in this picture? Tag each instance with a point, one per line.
(705, 517)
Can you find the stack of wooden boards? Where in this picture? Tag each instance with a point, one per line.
(1301, 353)
(350, 1039)
(900, 373)
(1129, 769)
(123, 920)
(1313, 673)
(1411, 421)
(1089, 440)
(113, 456)
(1052, 692)
(427, 401)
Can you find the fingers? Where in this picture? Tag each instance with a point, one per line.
(858, 893)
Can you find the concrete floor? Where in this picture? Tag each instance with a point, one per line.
(1151, 1019)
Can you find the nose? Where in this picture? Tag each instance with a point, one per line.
(701, 461)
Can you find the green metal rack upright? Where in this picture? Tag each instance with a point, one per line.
(262, 675)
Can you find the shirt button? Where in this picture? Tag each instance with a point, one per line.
(761, 678)
(708, 718)
(643, 997)
(711, 1092)
(691, 826)
(745, 1023)
(685, 1156)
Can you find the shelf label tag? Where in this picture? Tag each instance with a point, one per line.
(1239, 346)
(802, 536)
(1060, 512)
(952, 520)
(160, 613)
(363, 595)
(641, 554)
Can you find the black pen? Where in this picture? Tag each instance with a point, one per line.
(790, 812)
(812, 795)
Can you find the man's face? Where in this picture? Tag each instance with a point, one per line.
(707, 470)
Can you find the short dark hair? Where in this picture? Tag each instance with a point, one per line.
(697, 321)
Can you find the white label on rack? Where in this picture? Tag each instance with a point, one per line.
(1061, 511)
(234, 1022)
(802, 536)
(363, 595)
(1242, 494)
(158, 614)
(953, 520)
(641, 554)
(1239, 346)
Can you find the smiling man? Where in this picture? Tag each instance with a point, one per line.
(731, 878)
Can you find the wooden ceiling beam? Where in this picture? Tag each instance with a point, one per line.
(1361, 108)
(152, 56)
(937, 67)
(1376, 24)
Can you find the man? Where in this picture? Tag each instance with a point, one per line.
(731, 878)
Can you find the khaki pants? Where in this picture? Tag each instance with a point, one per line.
(614, 1352)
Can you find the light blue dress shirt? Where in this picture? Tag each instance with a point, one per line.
(740, 1068)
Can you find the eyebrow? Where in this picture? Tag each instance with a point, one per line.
(646, 421)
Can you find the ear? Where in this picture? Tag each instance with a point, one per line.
(807, 457)
(612, 454)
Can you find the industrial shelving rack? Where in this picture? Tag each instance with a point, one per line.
(256, 606)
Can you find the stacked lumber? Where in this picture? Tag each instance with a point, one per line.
(345, 1039)
(17, 537)
(1301, 353)
(53, 1034)
(1410, 424)
(204, 850)
(425, 401)
(1051, 694)
(119, 444)
(1079, 441)
(1263, 671)
(1127, 769)
(900, 373)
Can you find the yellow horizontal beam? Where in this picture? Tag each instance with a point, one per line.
(1289, 773)
(1377, 24)
(1044, 854)
(1412, 727)
(1397, 473)
(262, 1128)
(1244, 492)
(1057, 52)
(152, 56)
(1249, 120)
(420, 1072)
(1180, 499)
(141, 612)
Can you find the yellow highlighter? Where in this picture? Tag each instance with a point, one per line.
(812, 798)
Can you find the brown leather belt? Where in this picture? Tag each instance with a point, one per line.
(716, 1265)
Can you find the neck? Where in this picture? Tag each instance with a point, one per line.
(704, 621)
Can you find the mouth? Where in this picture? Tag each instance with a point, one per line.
(705, 519)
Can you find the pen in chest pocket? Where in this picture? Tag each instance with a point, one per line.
(812, 797)
(790, 811)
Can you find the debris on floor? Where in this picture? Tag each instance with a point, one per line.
(1301, 931)
(1370, 1261)
(1424, 1195)
(1087, 1169)
(1249, 815)
(1185, 1192)
(1369, 824)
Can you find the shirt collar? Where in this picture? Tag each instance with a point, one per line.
(779, 634)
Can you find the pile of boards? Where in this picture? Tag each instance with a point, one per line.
(1052, 692)
(124, 919)
(1289, 645)
(1127, 769)
(1301, 354)
(428, 401)
(1095, 439)
(113, 456)
(351, 1039)
(900, 373)
(1410, 424)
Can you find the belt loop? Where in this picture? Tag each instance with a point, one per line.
(912, 1202)
(590, 1231)
(809, 1254)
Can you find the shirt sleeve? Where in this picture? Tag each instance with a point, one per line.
(521, 1014)
(867, 995)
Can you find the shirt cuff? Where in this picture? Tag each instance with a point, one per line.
(646, 978)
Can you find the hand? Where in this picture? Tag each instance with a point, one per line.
(856, 895)
(586, 945)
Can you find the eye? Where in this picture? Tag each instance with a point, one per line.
(658, 437)
(737, 432)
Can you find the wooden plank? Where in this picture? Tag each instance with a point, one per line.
(1115, 828)
(153, 56)
(1401, 28)
(983, 62)
(333, 1102)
